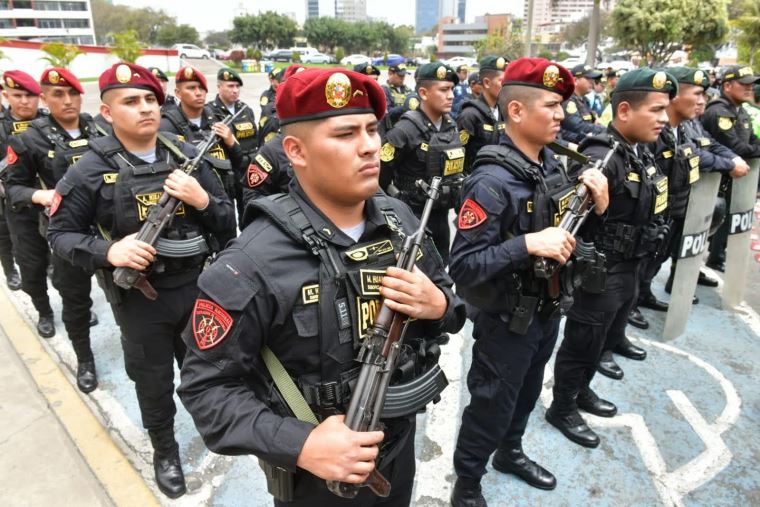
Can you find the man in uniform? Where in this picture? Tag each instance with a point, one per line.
(111, 189)
(227, 102)
(368, 70)
(269, 123)
(462, 91)
(23, 95)
(395, 90)
(507, 216)
(37, 160)
(269, 172)
(291, 304)
(580, 121)
(192, 120)
(631, 230)
(169, 100)
(480, 122)
(268, 96)
(425, 143)
(475, 89)
(731, 126)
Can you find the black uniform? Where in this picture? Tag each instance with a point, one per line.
(516, 321)
(731, 126)
(244, 129)
(270, 288)
(633, 229)
(267, 97)
(269, 172)
(43, 155)
(112, 189)
(415, 149)
(579, 120)
(269, 123)
(713, 156)
(477, 128)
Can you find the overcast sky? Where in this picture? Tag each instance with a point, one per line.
(208, 15)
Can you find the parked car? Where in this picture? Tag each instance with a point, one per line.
(393, 59)
(281, 55)
(461, 60)
(190, 51)
(355, 59)
(316, 58)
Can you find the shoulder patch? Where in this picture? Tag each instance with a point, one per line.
(255, 175)
(263, 163)
(262, 121)
(264, 100)
(471, 215)
(571, 108)
(464, 137)
(387, 152)
(55, 203)
(12, 157)
(414, 103)
(211, 323)
(725, 123)
(269, 136)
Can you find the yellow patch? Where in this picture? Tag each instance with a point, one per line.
(244, 130)
(633, 177)
(147, 201)
(667, 154)
(464, 137)
(661, 196)
(725, 123)
(264, 100)
(262, 121)
(454, 162)
(51, 154)
(78, 143)
(269, 136)
(588, 117)
(371, 280)
(424, 147)
(310, 294)
(263, 163)
(487, 127)
(571, 108)
(110, 178)
(338, 90)
(414, 103)
(19, 127)
(387, 152)
(375, 249)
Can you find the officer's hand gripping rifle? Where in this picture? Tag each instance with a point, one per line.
(577, 211)
(159, 218)
(379, 354)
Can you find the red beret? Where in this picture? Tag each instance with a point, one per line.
(20, 80)
(292, 70)
(189, 73)
(320, 93)
(60, 77)
(129, 75)
(540, 73)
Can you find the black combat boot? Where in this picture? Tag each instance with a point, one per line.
(87, 379)
(467, 493)
(46, 325)
(514, 461)
(12, 278)
(166, 463)
(570, 423)
(608, 367)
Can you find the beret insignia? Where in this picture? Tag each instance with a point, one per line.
(123, 74)
(551, 76)
(338, 90)
(440, 73)
(54, 77)
(659, 80)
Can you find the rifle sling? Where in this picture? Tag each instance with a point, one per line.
(288, 389)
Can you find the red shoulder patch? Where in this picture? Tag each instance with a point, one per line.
(12, 157)
(256, 175)
(211, 323)
(57, 198)
(471, 215)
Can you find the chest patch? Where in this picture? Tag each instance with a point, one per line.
(148, 200)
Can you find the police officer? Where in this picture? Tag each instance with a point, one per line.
(632, 229)
(368, 70)
(296, 302)
(462, 90)
(269, 123)
(192, 120)
(111, 190)
(507, 216)
(227, 102)
(579, 120)
(169, 100)
(37, 159)
(730, 125)
(269, 172)
(22, 93)
(425, 143)
(480, 122)
(475, 87)
(395, 90)
(268, 96)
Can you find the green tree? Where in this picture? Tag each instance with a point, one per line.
(265, 31)
(747, 26)
(126, 46)
(59, 54)
(109, 19)
(220, 40)
(577, 33)
(175, 34)
(658, 28)
(510, 44)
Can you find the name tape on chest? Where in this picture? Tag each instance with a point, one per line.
(146, 201)
(310, 294)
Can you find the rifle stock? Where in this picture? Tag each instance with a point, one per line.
(159, 218)
(378, 355)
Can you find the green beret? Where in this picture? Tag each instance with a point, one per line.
(493, 63)
(689, 75)
(647, 80)
(160, 75)
(367, 69)
(229, 75)
(437, 71)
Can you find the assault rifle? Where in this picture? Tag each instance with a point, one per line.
(379, 354)
(159, 218)
(572, 219)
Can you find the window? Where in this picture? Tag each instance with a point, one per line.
(6, 23)
(73, 6)
(76, 23)
(50, 23)
(25, 22)
(22, 4)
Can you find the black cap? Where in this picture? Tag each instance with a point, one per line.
(585, 71)
(742, 73)
(229, 75)
(437, 71)
(367, 69)
(399, 69)
(160, 75)
(648, 80)
(473, 78)
(276, 73)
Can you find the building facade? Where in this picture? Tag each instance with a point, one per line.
(351, 10)
(552, 16)
(44, 20)
(458, 39)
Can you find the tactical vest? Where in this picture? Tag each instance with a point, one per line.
(520, 295)
(243, 128)
(347, 299)
(442, 155)
(681, 165)
(397, 96)
(489, 130)
(644, 231)
(65, 152)
(134, 189)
